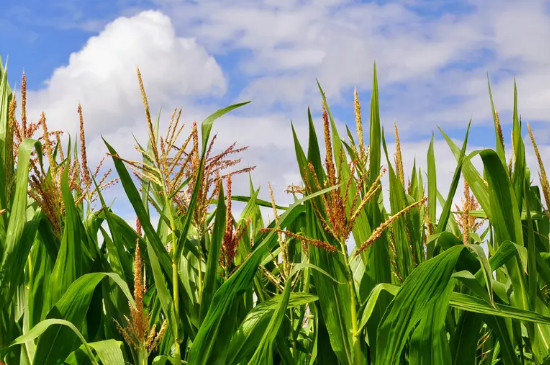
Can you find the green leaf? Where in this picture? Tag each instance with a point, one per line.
(164, 294)
(69, 264)
(263, 353)
(334, 298)
(499, 143)
(426, 285)
(203, 349)
(465, 338)
(472, 176)
(134, 197)
(56, 344)
(109, 352)
(444, 217)
(6, 151)
(211, 275)
(206, 125)
(476, 305)
(520, 165)
(432, 183)
(249, 334)
(372, 299)
(20, 233)
(504, 212)
(47, 324)
(429, 343)
(375, 131)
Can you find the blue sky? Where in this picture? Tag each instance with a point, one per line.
(432, 59)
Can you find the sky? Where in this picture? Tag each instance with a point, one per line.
(432, 59)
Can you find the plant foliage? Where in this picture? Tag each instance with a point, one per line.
(337, 277)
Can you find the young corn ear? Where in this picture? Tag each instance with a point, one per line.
(231, 237)
(136, 331)
(467, 222)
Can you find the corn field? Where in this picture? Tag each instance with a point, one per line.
(337, 277)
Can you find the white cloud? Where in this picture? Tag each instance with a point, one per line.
(431, 71)
(102, 76)
(425, 58)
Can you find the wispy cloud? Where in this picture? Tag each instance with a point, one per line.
(432, 60)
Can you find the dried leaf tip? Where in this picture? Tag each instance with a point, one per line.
(231, 236)
(329, 162)
(83, 156)
(498, 128)
(272, 197)
(152, 135)
(228, 244)
(542, 173)
(24, 102)
(47, 142)
(138, 227)
(358, 123)
(398, 157)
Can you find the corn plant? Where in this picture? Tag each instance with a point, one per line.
(336, 277)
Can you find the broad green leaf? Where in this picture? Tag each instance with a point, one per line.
(45, 325)
(248, 335)
(20, 233)
(429, 343)
(263, 354)
(134, 197)
(69, 264)
(426, 285)
(211, 275)
(444, 217)
(464, 339)
(56, 344)
(334, 298)
(372, 299)
(203, 350)
(6, 151)
(504, 212)
(476, 305)
(470, 281)
(109, 352)
(472, 176)
(165, 297)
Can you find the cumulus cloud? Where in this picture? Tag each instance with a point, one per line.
(102, 76)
